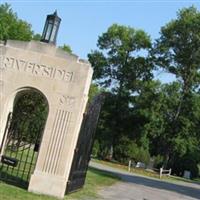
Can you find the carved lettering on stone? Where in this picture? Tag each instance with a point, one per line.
(29, 67)
(68, 76)
(47, 71)
(9, 62)
(36, 69)
(19, 65)
(67, 100)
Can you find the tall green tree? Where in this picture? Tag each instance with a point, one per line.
(178, 51)
(11, 27)
(154, 109)
(119, 65)
(178, 48)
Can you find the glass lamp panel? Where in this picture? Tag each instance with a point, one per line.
(45, 29)
(53, 34)
(48, 33)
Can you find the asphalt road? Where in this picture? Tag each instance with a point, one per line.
(137, 187)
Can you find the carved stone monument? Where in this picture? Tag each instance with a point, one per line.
(64, 81)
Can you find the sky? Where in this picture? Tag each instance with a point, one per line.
(84, 20)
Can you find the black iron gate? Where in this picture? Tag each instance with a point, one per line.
(84, 145)
(19, 154)
(20, 144)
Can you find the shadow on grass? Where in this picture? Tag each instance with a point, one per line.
(104, 173)
(13, 180)
(95, 179)
(173, 187)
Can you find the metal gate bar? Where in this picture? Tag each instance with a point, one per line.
(84, 145)
(20, 149)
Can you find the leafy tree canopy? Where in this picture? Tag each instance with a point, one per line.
(37, 37)
(11, 27)
(66, 48)
(119, 63)
(178, 48)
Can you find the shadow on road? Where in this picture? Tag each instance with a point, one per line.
(173, 187)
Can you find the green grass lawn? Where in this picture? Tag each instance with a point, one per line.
(125, 168)
(19, 174)
(25, 166)
(147, 173)
(177, 178)
(94, 181)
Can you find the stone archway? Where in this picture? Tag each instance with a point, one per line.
(22, 136)
(64, 80)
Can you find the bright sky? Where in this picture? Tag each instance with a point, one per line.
(84, 20)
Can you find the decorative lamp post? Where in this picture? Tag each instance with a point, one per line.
(51, 27)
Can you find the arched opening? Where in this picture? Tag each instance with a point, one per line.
(22, 136)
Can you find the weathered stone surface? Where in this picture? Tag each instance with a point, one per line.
(64, 80)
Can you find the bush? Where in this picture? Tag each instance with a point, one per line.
(186, 162)
(122, 150)
(103, 150)
(158, 161)
(143, 155)
(95, 148)
(129, 150)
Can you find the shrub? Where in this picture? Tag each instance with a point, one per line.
(95, 148)
(128, 149)
(186, 162)
(158, 161)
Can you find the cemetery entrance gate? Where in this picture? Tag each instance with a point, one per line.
(22, 137)
(64, 81)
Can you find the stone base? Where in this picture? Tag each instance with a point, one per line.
(48, 185)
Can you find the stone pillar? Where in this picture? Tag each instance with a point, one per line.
(64, 80)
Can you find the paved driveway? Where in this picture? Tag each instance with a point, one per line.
(136, 187)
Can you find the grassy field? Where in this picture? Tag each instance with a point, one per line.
(26, 163)
(147, 173)
(95, 180)
(123, 167)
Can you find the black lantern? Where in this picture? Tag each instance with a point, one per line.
(51, 27)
